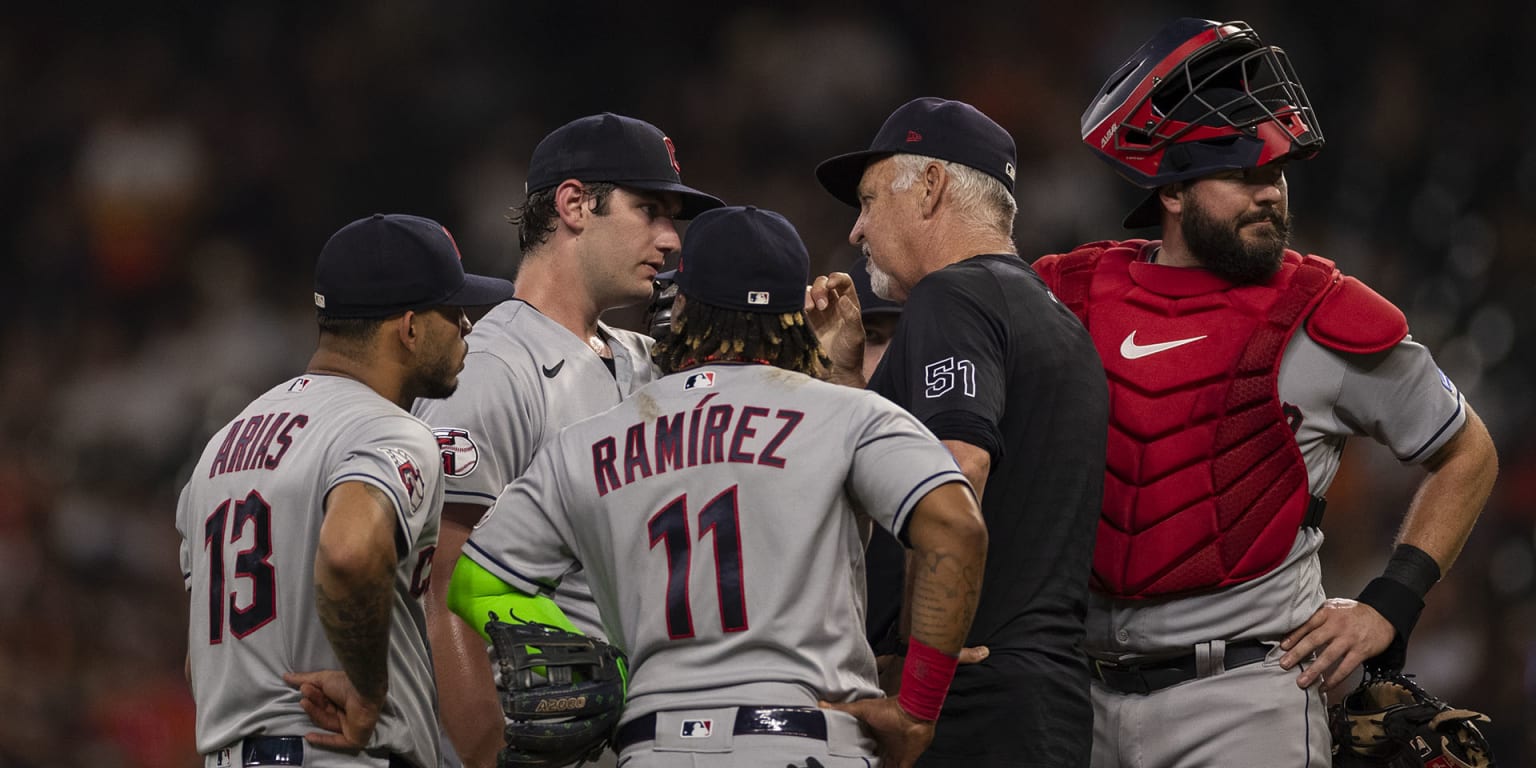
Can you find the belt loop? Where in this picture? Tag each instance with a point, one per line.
(1210, 658)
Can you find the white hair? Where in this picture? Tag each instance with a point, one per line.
(979, 199)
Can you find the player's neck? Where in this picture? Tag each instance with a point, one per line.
(1174, 252)
(558, 297)
(953, 243)
(376, 377)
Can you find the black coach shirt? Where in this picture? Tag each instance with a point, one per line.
(985, 354)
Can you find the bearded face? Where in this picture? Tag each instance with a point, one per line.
(1244, 250)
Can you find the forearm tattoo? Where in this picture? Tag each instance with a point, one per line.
(356, 620)
(943, 580)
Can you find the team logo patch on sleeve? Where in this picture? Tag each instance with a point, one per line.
(700, 380)
(410, 476)
(460, 454)
(1445, 381)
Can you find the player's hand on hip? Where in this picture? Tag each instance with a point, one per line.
(332, 703)
(901, 737)
(1343, 633)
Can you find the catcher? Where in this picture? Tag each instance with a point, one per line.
(720, 514)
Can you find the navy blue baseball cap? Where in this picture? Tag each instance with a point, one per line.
(390, 263)
(948, 130)
(869, 303)
(615, 149)
(743, 258)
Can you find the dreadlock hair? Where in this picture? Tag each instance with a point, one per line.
(535, 218)
(704, 334)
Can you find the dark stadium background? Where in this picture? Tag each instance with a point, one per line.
(171, 170)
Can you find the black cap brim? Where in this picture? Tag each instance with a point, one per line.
(1149, 213)
(841, 175)
(480, 291)
(694, 201)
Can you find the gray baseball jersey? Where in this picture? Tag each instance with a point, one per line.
(1400, 399)
(250, 519)
(524, 379)
(716, 513)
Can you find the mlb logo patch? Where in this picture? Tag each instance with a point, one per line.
(300, 384)
(757, 297)
(696, 729)
(700, 380)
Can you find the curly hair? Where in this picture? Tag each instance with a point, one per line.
(704, 334)
(535, 218)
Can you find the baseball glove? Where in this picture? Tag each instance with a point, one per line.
(561, 692)
(1390, 721)
(658, 313)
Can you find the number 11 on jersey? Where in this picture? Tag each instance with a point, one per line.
(670, 526)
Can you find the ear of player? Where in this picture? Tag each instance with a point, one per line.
(561, 692)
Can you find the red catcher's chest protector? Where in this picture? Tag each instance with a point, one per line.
(1204, 486)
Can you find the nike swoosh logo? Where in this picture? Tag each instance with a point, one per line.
(1130, 350)
(550, 371)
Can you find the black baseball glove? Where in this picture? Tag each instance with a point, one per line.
(561, 692)
(658, 312)
(1391, 721)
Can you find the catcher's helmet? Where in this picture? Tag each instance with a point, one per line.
(1200, 97)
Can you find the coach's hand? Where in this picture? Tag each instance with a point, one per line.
(832, 309)
(332, 703)
(1343, 633)
(901, 736)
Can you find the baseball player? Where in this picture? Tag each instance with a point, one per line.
(598, 223)
(720, 514)
(1009, 380)
(321, 500)
(1238, 368)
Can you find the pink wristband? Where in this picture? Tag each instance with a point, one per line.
(925, 680)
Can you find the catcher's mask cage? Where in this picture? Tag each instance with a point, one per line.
(1198, 98)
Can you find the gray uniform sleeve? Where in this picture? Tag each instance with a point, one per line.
(399, 457)
(487, 430)
(1402, 400)
(522, 537)
(182, 527)
(896, 462)
(1398, 398)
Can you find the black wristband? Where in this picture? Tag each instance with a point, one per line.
(1398, 604)
(1395, 602)
(1413, 568)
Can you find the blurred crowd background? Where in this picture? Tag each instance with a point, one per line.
(170, 173)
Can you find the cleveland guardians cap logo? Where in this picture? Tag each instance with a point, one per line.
(672, 154)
